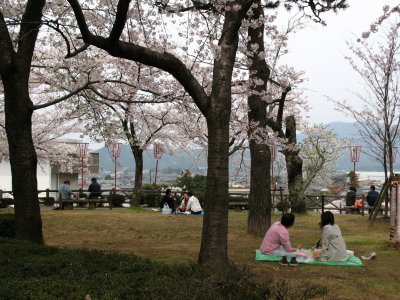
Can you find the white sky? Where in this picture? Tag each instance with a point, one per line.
(319, 51)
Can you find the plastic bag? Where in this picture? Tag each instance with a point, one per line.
(166, 210)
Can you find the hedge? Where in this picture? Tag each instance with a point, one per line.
(7, 225)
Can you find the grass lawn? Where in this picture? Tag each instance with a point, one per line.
(176, 239)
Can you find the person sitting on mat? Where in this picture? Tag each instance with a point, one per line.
(333, 244)
(277, 242)
(193, 204)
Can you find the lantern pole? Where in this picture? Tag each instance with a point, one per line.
(155, 178)
(82, 173)
(115, 152)
(82, 153)
(115, 174)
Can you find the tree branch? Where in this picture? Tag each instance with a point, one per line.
(119, 24)
(7, 51)
(30, 24)
(164, 61)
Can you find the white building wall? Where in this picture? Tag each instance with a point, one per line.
(43, 175)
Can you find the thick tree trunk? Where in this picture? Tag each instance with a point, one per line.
(259, 218)
(294, 165)
(138, 155)
(14, 71)
(214, 242)
(23, 160)
(260, 205)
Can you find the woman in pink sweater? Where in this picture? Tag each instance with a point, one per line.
(277, 241)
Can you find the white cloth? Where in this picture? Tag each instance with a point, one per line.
(194, 204)
(333, 244)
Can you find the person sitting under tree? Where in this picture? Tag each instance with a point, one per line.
(94, 189)
(277, 241)
(372, 196)
(64, 192)
(169, 200)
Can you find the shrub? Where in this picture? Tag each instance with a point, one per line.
(117, 200)
(4, 202)
(83, 195)
(47, 201)
(151, 199)
(7, 225)
(200, 197)
(41, 272)
(238, 199)
(150, 186)
(279, 205)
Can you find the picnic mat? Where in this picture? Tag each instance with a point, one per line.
(353, 261)
(202, 213)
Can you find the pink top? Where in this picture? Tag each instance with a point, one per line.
(276, 235)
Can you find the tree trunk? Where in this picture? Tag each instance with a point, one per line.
(259, 218)
(23, 160)
(138, 155)
(294, 166)
(14, 71)
(214, 241)
(260, 205)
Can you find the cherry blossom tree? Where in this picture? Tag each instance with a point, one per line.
(20, 22)
(375, 57)
(15, 63)
(320, 149)
(378, 116)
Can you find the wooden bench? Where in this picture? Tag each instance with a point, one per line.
(358, 210)
(69, 203)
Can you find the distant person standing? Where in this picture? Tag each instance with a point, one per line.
(94, 189)
(372, 196)
(65, 192)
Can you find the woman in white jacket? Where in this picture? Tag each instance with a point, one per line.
(193, 205)
(333, 244)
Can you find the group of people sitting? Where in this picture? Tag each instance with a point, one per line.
(277, 242)
(190, 204)
(372, 197)
(65, 192)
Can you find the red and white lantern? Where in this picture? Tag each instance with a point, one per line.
(82, 149)
(355, 153)
(116, 149)
(157, 156)
(272, 149)
(157, 151)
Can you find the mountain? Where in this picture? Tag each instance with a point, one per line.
(344, 164)
(182, 160)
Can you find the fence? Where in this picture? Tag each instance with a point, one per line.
(320, 202)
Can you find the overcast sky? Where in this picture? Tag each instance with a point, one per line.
(319, 51)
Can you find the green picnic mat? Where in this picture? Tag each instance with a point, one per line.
(353, 261)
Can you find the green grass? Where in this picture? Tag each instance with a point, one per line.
(29, 271)
(173, 242)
